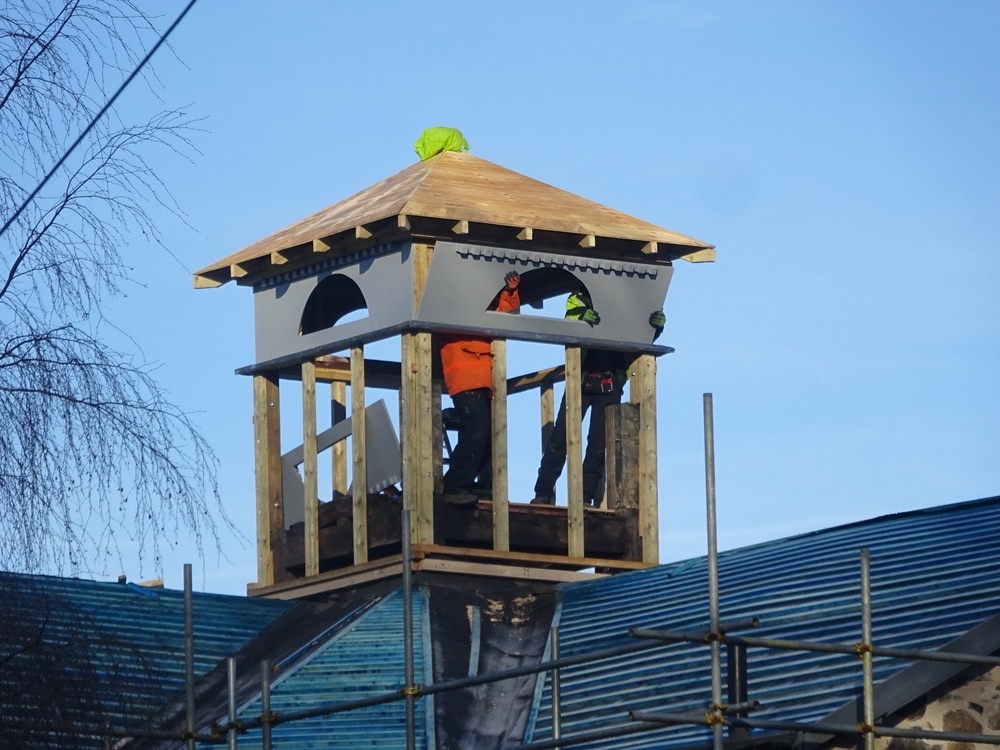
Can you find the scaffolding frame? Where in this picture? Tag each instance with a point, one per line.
(731, 714)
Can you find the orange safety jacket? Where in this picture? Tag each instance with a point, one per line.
(467, 361)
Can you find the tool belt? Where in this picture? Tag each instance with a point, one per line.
(596, 383)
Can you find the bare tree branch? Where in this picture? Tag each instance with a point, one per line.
(92, 450)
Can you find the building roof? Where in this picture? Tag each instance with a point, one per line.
(455, 187)
(78, 652)
(934, 574)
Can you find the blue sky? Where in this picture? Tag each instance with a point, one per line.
(842, 157)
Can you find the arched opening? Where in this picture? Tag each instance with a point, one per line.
(543, 291)
(336, 299)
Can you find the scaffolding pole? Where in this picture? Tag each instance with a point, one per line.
(713, 574)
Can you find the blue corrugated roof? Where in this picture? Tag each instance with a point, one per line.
(935, 574)
(130, 635)
(362, 660)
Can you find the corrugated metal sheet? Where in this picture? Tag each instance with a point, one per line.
(935, 574)
(362, 660)
(120, 645)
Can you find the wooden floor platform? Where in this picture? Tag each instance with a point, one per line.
(463, 543)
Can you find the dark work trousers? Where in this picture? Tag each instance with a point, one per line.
(554, 455)
(472, 447)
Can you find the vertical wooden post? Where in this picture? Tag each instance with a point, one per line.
(417, 429)
(643, 392)
(310, 479)
(267, 468)
(501, 503)
(359, 476)
(418, 440)
(546, 397)
(338, 413)
(437, 435)
(574, 451)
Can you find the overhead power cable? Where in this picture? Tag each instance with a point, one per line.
(97, 117)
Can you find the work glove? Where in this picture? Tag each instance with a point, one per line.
(590, 316)
(512, 279)
(657, 320)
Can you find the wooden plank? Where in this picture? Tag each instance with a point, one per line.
(360, 233)
(437, 435)
(501, 520)
(417, 428)
(421, 254)
(530, 380)
(574, 450)
(492, 570)
(338, 409)
(267, 469)
(461, 227)
(547, 407)
(359, 476)
(528, 558)
(622, 441)
(310, 480)
(645, 367)
(386, 567)
(527, 234)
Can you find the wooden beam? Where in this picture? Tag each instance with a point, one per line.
(537, 379)
(338, 411)
(700, 256)
(238, 271)
(546, 397)
(526, 234)
(650, 248)
(417, 430)
(420, 254)
(205, 282)
(460, 227)
(360, 233)
(402, 221)
(359, 476)
(501, 508)
(643, 392)
(310, 479)
(437, 434)
(320, 245)
(278, 259)
(588, 242)
(267, 469)
(574, 451)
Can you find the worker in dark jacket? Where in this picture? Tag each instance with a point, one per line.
(467, 367)
(604, 375)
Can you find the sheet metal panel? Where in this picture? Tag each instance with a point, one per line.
(935, 574)
(364, 659)
(130, 633)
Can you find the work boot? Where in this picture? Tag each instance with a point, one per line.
(543, 500)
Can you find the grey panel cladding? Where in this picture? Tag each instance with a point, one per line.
(384, 276)
(464, 279)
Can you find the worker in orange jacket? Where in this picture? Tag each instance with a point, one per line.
(467, 366)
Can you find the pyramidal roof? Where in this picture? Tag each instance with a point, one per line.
(456, 187)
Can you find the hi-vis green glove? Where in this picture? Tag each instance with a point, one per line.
(435, 140)
(590, 316)
(657, 320)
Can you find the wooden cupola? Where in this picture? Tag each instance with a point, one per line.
(424, 252)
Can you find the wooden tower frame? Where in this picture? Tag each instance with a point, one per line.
(422, 254)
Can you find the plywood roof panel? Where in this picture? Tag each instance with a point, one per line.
(460, 187)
